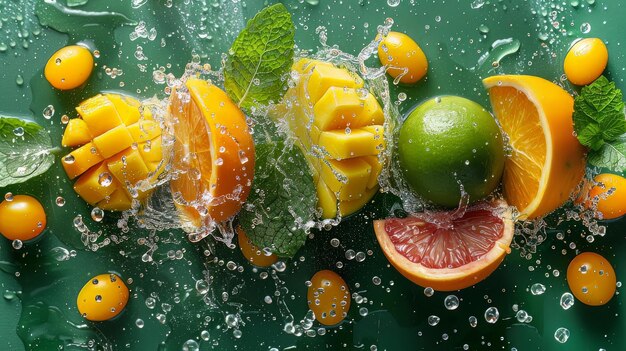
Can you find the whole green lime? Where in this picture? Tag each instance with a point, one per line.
(450, 144)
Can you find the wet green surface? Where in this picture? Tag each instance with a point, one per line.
(451, 33)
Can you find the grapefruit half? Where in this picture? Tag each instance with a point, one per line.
(448, 250)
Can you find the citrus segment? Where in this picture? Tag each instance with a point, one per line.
(213, 158)
(546, 161)
(447, 253)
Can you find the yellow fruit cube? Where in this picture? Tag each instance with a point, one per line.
(347, 178)
(127, 108)
(113, 141)
(76, 133)
(117, 201)
(351, 206)
(339, 144)
(80, 160)
(326, 200)
(151, 153)
(143, 131)
(95, 184)
(100, 114)
(324, 76)
(128, 167)
(377, 167)
(340, 108)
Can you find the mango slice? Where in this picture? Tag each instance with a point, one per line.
(121, 147)
(339, 126)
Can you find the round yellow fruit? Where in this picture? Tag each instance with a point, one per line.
(102, 298)
(69, 68)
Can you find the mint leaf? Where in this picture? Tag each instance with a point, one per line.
(599, 114)
(611, 155)
(260, 57)
(25, 150)
(282, 201)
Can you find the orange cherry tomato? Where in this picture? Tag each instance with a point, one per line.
(252, 253)
(69, 67)
(328, 297)
(610, 190)
(586, 61)
(591, 279)
(102, 298)
(399, 50)
(22, 218)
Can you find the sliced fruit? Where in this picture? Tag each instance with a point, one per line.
(546, 161)
(213, 154)
(114, 156)
(340, 129)
(447, 252)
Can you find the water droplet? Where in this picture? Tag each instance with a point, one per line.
(97, 214)
(429, 291)
(483, 29)
(537, 289)
(19, 80)
(523, 316)
(17, 244)
(561, 335)
(105, 179)
(139, 323)
(451, 302)
(69, 159)
(492, 314)
(393, 3)
(19, 131)
(585, 28)
(376, 280)
(60, 201)
(350, 254)
(191, 345)
(48, 112)
(150, 302)
(473, 321)
(8, 197)
(567, 301)
(98, 298)
(433, 320)
(267, 299)
(476, 4)
(205, 335)
(334, 242)
(60, 253)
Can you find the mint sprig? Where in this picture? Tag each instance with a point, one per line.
(25, 150)
(260, 57)
(600, 124)
(282, 201)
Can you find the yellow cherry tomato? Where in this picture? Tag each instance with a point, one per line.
(586, 61)
(102, 298)
(591, 279)
(610, 190)
(328, 297)
(69, 67)
(252, 253)
(403, 53)
(21, 217)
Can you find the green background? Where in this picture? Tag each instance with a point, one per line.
(452, 34)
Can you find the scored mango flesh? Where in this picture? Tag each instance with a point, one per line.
(340, 128)
(118, 147)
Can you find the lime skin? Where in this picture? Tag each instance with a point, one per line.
(447, 144)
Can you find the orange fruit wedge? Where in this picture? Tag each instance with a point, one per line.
(447, 251)
(213, 155)
(546, 161)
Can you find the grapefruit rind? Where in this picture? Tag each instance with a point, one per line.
(450, 279)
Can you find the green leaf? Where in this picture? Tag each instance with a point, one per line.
(282, 201)
(611, 155)
(260, 58)
(599, 114)
(25, 151)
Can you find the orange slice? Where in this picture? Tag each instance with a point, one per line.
(546, 161)
(445, 251)
(213, 160)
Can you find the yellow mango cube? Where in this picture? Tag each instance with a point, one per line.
(151, 153)
(349, 207)
(113, 141)
(377, 167)
(347, 178)
(127, 108)
(341, 108)
(128, 167)
(99, 113)
(117, 201)
(76, 133)
(339, 145)
(95, 184)
(325, 76)
(144, 130)
(326, 200)
(80, 160)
